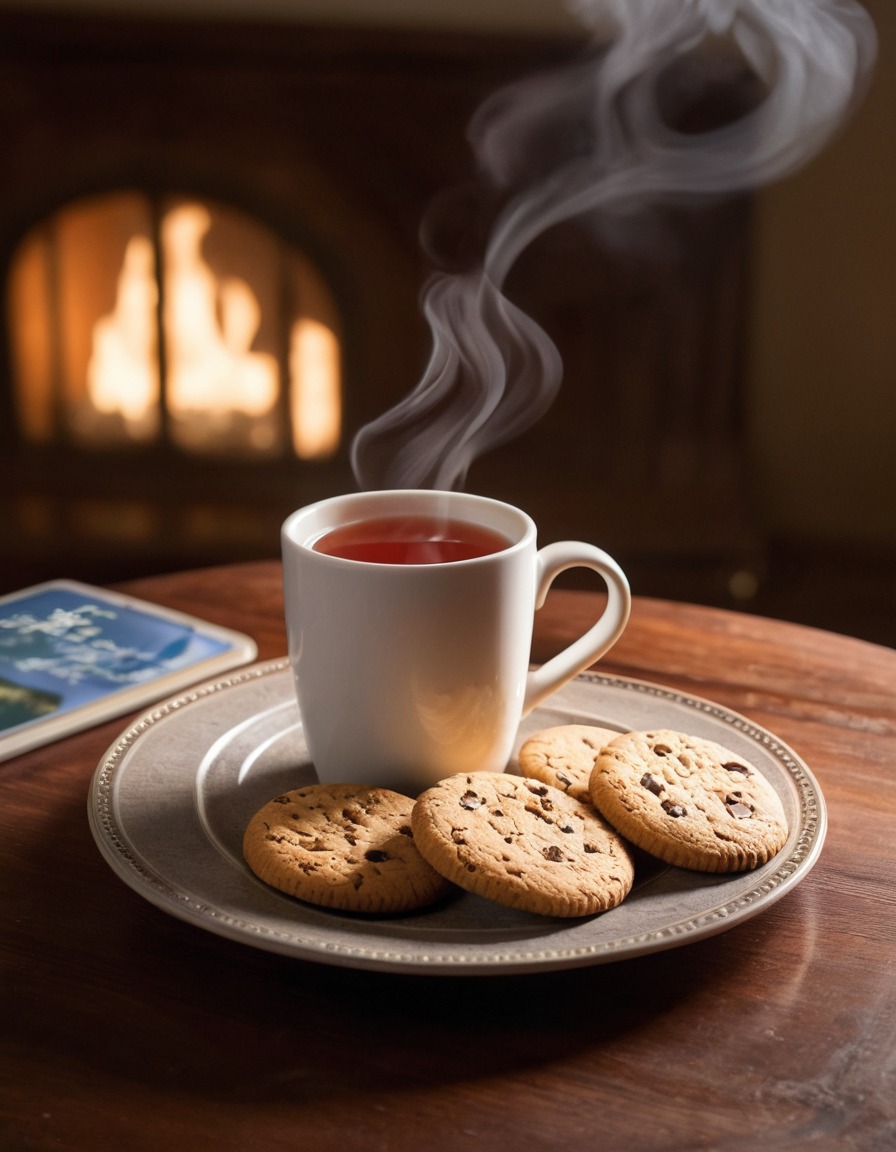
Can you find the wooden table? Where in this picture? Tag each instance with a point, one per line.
(125, 1028)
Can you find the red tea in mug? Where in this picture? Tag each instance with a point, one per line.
(410, 540)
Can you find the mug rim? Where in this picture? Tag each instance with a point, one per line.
(424, 497)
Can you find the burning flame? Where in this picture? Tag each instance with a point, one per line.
(316, 407)
(211, 369)
(123, 372)
(493, 371)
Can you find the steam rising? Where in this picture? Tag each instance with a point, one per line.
(493, 371)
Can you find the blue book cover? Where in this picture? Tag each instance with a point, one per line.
(72, 655)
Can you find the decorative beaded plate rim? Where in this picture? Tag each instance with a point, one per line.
(171, 796)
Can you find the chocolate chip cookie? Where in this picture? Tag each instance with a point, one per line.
(523, 844)
(564, 756)
(342, 846)
(688, 801)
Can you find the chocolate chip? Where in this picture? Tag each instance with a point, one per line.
(651, 784)
(405, 830)
(471, 801)
(662, 750)
(537, 789)
(741, 811)
(376, 856)
(552, 852)
(281, 800)
(564, 779)
(735, 767)
(672, 809)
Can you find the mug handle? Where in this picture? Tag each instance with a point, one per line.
(551, 561)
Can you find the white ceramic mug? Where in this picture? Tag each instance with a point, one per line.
(408, 673)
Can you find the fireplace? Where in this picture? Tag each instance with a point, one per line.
(172, 325)
(274, 180)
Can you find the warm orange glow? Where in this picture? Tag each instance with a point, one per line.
(315, 394)
(209, 329)
(32, 343)
(123, 372)
(101, 379)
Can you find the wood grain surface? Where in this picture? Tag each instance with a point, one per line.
(125, 1029)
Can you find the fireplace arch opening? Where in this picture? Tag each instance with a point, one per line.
(174, 385)
(172, 322)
